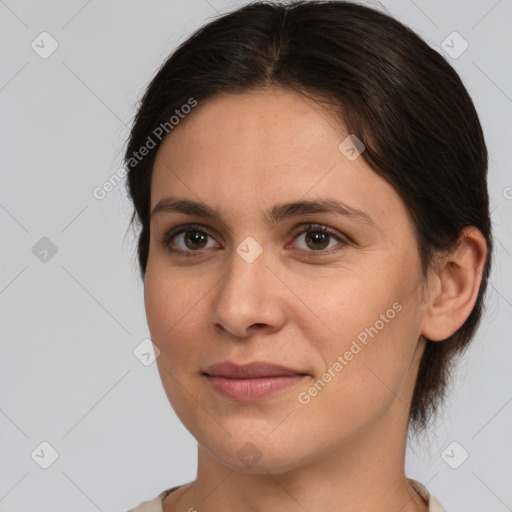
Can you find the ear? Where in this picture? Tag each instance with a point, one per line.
(453, 287)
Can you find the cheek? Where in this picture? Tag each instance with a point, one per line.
(176, 316)
(159, 311)
(168, 295)
(346, 303)
(362, 379)
(169, 317)
(164, 307)
(377, 346)
(371, 322)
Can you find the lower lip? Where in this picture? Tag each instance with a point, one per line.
(250, 390)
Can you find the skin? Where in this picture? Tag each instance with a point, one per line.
(345, 449)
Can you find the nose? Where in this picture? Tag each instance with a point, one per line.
(248, 299)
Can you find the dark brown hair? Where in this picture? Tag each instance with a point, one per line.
(389, 88)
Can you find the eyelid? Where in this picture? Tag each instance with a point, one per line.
(311, 226)
(184, 228)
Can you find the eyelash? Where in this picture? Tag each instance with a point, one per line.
(317, 228)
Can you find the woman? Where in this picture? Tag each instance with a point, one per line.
(315, 244)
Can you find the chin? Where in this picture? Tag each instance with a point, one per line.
(256, 454)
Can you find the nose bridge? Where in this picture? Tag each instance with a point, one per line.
(245, 296)
(242, 283)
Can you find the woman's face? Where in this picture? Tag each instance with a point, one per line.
(254, 283)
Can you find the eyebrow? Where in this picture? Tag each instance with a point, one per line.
(274, 215)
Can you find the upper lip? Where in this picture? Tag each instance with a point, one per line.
(250, 370)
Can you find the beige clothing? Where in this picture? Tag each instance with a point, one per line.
(155, 505)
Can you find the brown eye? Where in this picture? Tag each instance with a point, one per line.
(188, 240)
(318, 238)
(195, 239)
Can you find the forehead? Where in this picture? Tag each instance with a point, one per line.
(247, 147)
(273, 126)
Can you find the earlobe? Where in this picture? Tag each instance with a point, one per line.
(453, 288)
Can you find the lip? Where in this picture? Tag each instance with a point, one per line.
(250, 370)
(253, 381)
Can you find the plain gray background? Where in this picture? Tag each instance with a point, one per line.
(71, 320)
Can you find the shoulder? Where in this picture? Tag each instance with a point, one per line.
(154, 505)
(433, 502)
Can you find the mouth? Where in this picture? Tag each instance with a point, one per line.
(253, 381)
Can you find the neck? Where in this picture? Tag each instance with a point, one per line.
(365, 473)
